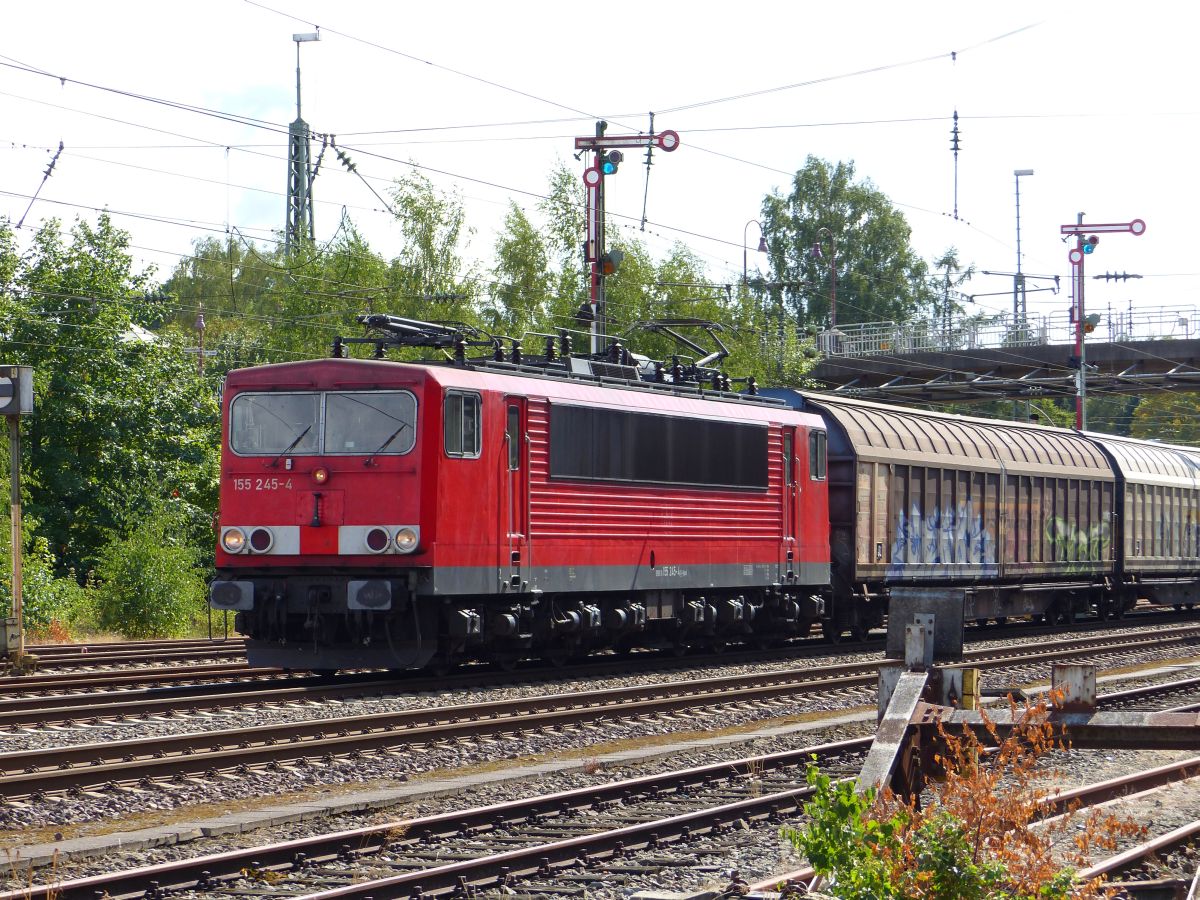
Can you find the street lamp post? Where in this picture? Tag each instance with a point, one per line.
(832, 272)
(1020, 309)
(762, 244)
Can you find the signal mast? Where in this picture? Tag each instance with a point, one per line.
(601, 262)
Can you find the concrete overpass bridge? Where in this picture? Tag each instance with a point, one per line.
(1000, 358)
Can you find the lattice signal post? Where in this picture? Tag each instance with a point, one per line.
(1083, 247)
(606, 159)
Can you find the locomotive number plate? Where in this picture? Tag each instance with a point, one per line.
(262, 484)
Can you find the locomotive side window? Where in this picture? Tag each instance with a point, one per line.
(817, 452)
(375, 422)
(461, 416)
(595, 444)
(513, 433)
(261, 424)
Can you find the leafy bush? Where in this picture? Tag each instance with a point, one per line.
(974, 836)
(150, 581)
(54, 606)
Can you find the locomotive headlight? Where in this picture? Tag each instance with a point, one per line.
(406, 540)
(320, 476)
(233, 540)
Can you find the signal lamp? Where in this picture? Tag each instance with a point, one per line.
(1089, 245)
(611, 261)
(1090, 322)
(320, 476)
(611, 161)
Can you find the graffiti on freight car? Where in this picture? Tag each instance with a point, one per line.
(945, 537)
(1074, 544)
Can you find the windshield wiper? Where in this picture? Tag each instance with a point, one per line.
(290, 447)
(391, 437)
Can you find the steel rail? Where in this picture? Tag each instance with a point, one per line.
(45, 651)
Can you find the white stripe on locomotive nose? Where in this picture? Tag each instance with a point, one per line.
(286, 539)
(352, 539)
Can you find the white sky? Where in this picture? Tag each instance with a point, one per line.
(1099, 98)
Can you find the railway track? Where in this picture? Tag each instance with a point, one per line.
(499, 841)
(90, 655)
(81, 767)
(260, 688)
(621, 831)
(134, 664)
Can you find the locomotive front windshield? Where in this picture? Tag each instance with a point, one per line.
(344, 422)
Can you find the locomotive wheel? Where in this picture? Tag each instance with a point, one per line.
(557, 657)
(832, 634)
(440, 666)
(859, 633)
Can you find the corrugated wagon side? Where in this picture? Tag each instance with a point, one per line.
(1157, 526)
(1001, 519)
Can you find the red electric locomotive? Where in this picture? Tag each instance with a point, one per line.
(402, 515)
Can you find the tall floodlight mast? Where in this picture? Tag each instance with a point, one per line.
(299, 228)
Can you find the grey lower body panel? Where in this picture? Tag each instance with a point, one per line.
(483, 580)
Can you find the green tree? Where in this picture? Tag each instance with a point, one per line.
(1166, 416)
(121, 417)
(519, 299)
(429, 277)
(861, 238)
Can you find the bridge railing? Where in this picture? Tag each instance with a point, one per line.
(997, 332)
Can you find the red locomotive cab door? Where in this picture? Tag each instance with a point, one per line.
(516, 495)
(790, 506)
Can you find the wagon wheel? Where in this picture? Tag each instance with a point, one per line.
(831, 632)
(679, 648)
(507, 662)
(859, 632)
